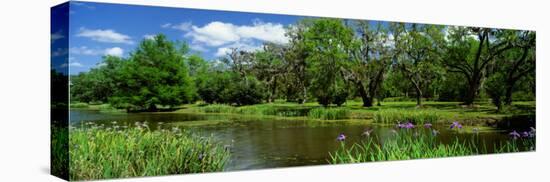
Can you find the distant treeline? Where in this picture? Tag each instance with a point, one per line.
(326, 60)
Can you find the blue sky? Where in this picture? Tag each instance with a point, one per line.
(98, 29)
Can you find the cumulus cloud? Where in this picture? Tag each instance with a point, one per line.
(198, 47)
(184, 26)
(83, 50)
(219, 33)
(56, 36)
(115, 51)
(105, 35)
(59, 52)
(71, 63)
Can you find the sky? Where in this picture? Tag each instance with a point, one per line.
(98, 29)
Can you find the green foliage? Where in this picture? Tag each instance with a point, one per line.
(329, 113)
(59, 150)
(393, 116)
(99, 153)
(155, 74)
(327, 42)
(245, 92)
(328, 60)
(495, 87)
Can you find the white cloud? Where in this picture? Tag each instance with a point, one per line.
(166, 25)
(83, 50)
(115, 51)
(56, 36)
(107, 35)
(184, 26)
(59, 52)
(198, 47)
(219, 33)
(71, 63)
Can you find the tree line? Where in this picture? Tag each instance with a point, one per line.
(328, 61)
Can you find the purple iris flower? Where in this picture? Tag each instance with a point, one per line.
(341, 137)
(409, 125)
(514, 134)
(399, 125)
(525, 134)
(457, 125)
(427, 125)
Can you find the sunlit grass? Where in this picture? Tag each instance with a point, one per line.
(329, 113)
(392, 116)
(99, 153)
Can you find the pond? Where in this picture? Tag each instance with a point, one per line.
(268, 142)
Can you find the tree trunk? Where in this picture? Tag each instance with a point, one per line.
(418, 96)
(508, 94)
(367, 102)
(304, 95)
(473, 87)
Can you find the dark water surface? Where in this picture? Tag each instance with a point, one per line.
(267, 142)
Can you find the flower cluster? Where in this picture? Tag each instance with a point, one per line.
(456, 125)
(526, 134)
(407, 125)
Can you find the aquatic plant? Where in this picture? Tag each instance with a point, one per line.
(456, 125)
(97, 153)
(329, 113)
(341, 137)
(420, 145)
(414, 116)
(514, 134)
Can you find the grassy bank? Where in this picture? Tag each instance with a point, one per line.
(406, 145)
(98, 153)
(388, 112)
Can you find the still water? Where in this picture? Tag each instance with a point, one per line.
(267, 142)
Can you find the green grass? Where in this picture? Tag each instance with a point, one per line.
(420, 116)
(329, 113)
(59, 151)
(404, 146)
(260, 109)
(79, 105)
(99, 153)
